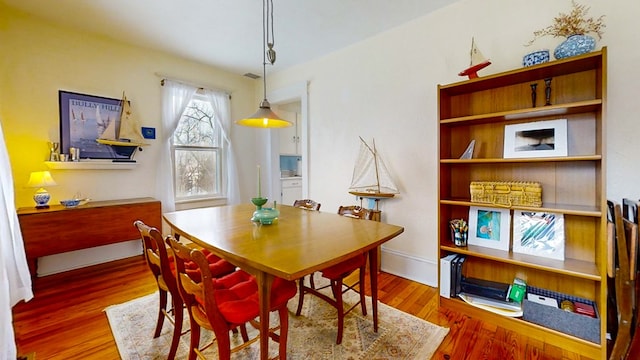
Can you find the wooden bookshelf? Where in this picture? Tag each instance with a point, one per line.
(574, 186)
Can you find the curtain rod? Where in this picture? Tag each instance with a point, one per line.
(200, 86)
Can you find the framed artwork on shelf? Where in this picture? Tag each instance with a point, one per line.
(538, 233)
(83, 119)
(468, 153)
(489, 227)
(536, 139)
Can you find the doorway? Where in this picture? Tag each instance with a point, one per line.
(293, 100)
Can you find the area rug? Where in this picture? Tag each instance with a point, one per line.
(312, 335)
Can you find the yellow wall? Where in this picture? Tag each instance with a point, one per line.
(39, 59)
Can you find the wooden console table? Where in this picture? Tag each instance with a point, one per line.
(58, 229)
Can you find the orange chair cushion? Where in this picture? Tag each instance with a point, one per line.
(237, 296)
(344, 268)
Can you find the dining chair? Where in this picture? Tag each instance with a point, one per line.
(225, 303)
(336, 275)
(311, 205)
(307, 204)
(163, 268)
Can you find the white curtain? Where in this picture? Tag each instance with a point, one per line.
(175, 98)
(222, 115)
(15, 279)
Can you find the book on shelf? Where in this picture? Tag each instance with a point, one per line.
(458, 274)
(445, 275)
(451, 275)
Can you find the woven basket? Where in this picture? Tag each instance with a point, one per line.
(507, 193)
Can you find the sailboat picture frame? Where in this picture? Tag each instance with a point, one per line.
(83, 118)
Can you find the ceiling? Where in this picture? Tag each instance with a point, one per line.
(228, 33)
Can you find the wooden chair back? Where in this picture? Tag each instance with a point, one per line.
(157, 256)
(159, 261)
(307, 204)
(624, 286)
(191, 289)
(356, 211)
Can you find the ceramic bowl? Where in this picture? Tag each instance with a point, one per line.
(70, 203)
(535, 58)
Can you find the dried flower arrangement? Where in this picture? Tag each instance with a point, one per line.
(574, 23)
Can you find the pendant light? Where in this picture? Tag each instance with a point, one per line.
(265, 117)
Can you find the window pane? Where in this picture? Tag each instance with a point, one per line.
(195, 172)
(197, 126)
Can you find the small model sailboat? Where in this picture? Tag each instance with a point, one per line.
(371, 179)
(478, 62)
(124, 136)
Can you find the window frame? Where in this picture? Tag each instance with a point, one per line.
(219, 192)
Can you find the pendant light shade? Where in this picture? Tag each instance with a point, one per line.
(265, 117)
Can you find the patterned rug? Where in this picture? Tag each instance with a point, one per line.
(311, 335)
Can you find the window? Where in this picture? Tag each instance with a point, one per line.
(197, 153)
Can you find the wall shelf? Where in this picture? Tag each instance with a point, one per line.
(90, 165)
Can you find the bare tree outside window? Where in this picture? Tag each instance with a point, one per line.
(197, 153)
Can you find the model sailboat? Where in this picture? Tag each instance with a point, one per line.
(124, 136)
(478, 62)
(371, 179)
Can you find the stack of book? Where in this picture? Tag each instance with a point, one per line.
(451, 275)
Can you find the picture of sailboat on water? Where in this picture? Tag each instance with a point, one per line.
(371, 179)
(478, 62)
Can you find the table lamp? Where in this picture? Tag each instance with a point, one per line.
(40, 179)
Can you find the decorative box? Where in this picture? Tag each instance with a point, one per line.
(578, 325)
(507, 193)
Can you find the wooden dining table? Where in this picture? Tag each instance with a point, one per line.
(298, 243)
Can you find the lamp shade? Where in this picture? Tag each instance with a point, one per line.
(40, 179)
(264, 118)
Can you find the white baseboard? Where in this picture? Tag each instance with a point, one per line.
(53, 264)
(409, 267)
(393, 262)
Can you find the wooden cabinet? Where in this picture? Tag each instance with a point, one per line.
(58, 229)
(291, 190)
(289, 136)
(573, 185)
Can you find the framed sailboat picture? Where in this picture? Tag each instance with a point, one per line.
(87, 121)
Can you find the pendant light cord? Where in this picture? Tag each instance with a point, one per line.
(268, 40)
(272, 38)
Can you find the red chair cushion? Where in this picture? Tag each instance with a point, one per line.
(237, 296)
(344, 268)
(217, 266)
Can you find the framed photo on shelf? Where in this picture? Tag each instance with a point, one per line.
(83, 119)
(536, 139)
(538, 233)
(489, 227)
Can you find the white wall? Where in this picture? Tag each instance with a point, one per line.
(385, 88)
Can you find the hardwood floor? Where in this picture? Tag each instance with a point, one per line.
(65, 319)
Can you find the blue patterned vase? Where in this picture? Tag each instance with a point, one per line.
(575, 45)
